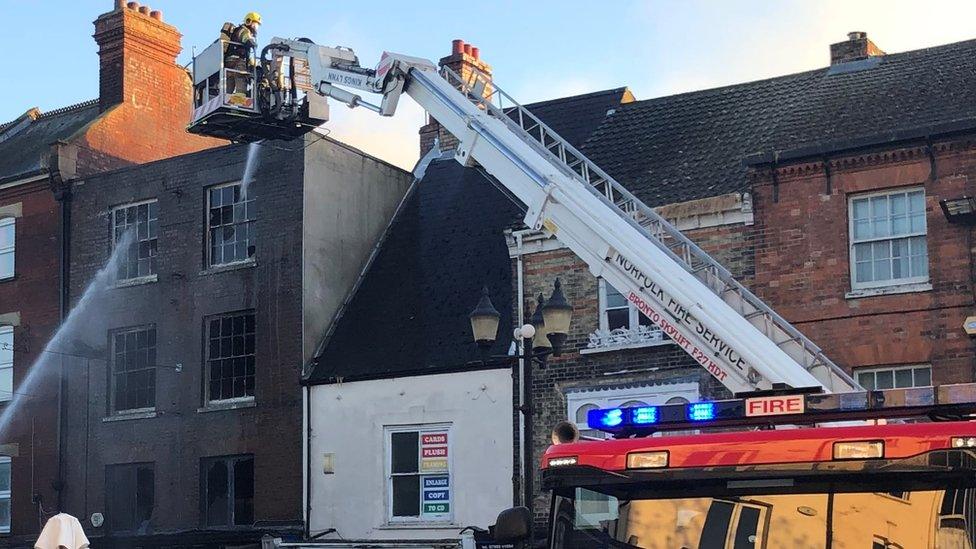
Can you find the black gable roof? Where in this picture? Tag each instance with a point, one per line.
(410, 313)
(692, 145)
(25, 142)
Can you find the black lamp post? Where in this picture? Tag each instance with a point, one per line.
(545, 336)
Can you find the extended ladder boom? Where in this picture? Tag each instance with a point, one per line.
(696, 302)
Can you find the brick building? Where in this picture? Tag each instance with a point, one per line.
(791, 222)
(202, 296)
(142, 108)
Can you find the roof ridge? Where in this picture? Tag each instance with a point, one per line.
(586, 95)
(718, 89)
(69, 108)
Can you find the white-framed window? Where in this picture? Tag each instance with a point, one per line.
(621, 324)
(419, 473)
(894, 377)
(138, 224)
(887, 239)
(5, 479)
(6, 363)
(231, 236)
(616, 312)
(580, 401)
(7, 245)
(133, 369)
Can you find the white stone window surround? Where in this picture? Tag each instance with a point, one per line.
(652, 394)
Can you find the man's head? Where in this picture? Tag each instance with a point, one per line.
(252, 21)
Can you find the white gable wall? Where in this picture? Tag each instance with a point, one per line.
(348, 421)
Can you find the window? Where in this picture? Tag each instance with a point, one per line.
(230, 357)
(418, 473)
(230, 225)
(888, 244)
(6, 363)
(135, 226)
(6, 247)
(130, 495)
(581, 400)
(621, 324)
(616, 312)
(5, 480)
(227, 491)
(134, 369)
(894, 377)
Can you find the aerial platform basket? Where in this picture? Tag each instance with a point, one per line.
(239, 104)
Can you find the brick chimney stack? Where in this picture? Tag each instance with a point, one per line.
(137, 54)
(464, 60)
(856, 47)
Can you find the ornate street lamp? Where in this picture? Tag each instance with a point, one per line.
(484, 321)
(544, 336)
(558, 314)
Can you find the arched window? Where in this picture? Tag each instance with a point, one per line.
(581, 413)
(633, 404)
(677, 400)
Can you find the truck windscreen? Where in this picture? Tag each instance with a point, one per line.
(940, 517)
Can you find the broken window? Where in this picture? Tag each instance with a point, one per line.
(7, 247)
(6, 362)
(135, 227)
(230, 357)
(227, 491)
(230, 224)
(134, 369)
(129, 498)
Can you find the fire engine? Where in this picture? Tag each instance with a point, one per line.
(892, 482)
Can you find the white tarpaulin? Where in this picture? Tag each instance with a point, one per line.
(62, 532)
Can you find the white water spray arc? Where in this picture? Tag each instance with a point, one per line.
(79, 329)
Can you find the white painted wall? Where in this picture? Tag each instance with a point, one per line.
(348, 420)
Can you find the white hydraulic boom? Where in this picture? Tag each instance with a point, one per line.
(724, 327)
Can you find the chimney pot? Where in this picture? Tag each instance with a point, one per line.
(119, 4)
(856, 35)
(144, 10)
(133, 5)
(457, 46)
(475, 52)
(156, 14)
(467, 49)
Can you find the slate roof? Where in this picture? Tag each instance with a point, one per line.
(692, 145)
(410, 313)
(25, 142)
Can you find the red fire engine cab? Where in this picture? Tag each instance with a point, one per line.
(876, 470)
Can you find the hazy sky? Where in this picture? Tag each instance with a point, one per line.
(538, 49)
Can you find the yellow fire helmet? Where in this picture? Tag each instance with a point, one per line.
(253, 16)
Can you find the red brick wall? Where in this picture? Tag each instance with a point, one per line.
(146, 98)
(730, 244)
(34, 293)
(803, 267)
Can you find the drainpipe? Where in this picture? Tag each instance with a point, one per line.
(63, 164)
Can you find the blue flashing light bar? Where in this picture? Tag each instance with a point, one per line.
(701, 411)
(645, 415)
(612, 417)
(789, 406)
